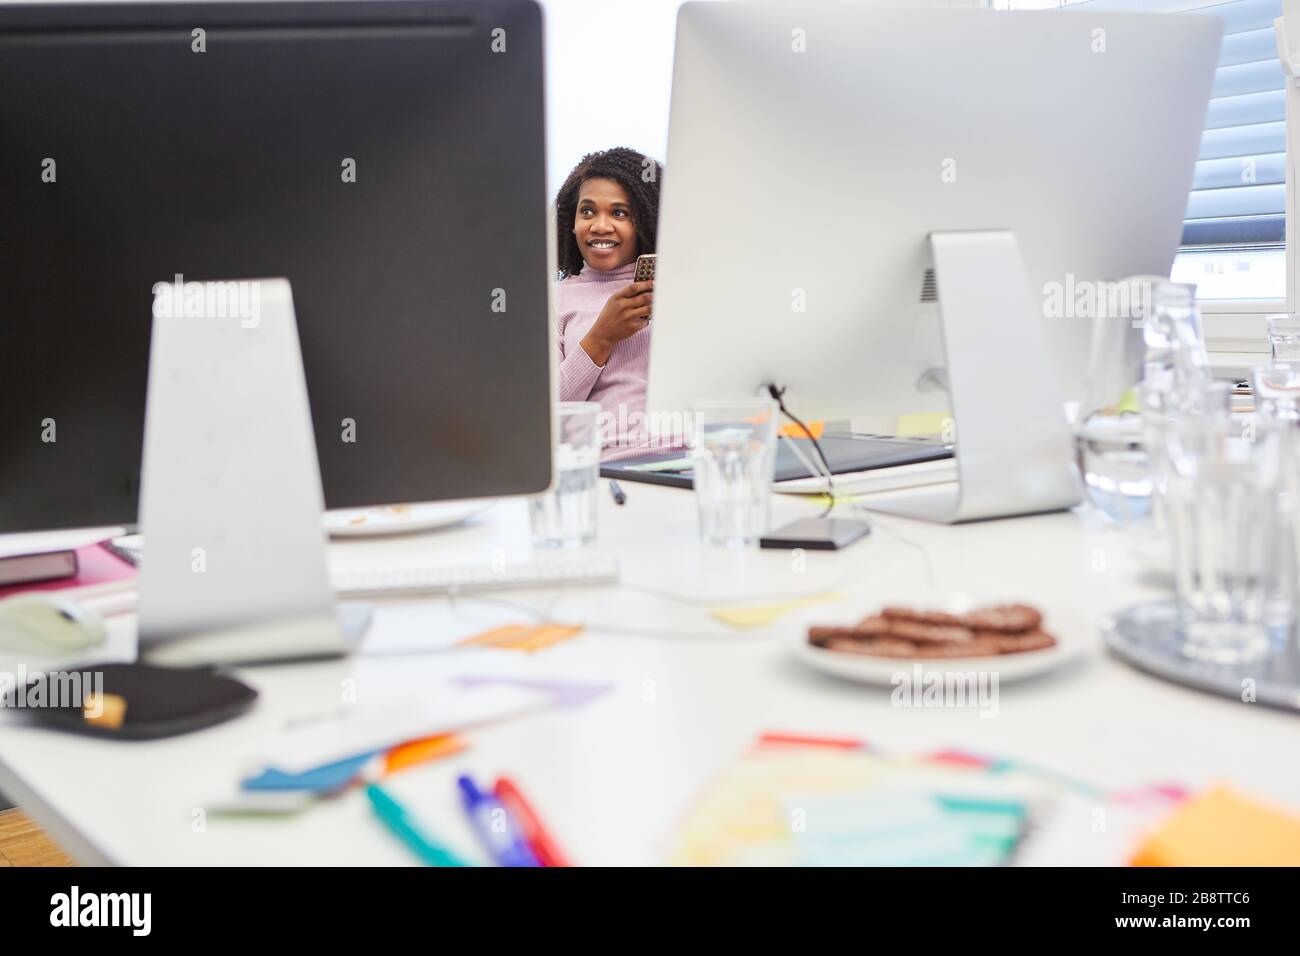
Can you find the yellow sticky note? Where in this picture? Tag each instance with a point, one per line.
(1224, 828)
(1130, 402)
(756, 615)
(922, 425)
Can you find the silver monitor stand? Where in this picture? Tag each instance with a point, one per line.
(1014, 445)
(234, 569)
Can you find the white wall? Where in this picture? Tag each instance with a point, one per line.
(609, 67)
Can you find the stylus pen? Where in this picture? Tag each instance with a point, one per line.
(394, 816)
(620, 496)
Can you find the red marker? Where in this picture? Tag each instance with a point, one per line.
(539, 841)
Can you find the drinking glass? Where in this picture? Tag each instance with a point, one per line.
(1221, 508)
(734, 458)
(1115, 466)
(565, 517)
(1284, 337)
(1277, 392)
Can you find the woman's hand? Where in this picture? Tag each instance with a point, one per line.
(625, 314)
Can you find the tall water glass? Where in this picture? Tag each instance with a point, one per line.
(1221, 508)
(565, 517)
(734, 457)
(1277, 402)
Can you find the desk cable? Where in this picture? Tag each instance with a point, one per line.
(778, 396)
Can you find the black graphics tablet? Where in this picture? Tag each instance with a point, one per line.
(846, 455)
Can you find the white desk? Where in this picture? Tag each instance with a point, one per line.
(612, 778)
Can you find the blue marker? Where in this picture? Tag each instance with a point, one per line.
(495, 828)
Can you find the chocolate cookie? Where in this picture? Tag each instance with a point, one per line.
(921, 617)
(1006, 618)
(877, 647)
(1018, 643)
(891, 647)
(900, 632)
(822, 636)
(929, 633)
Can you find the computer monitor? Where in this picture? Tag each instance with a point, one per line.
(386, 157)
(815, 147)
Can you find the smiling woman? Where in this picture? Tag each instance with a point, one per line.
(607, 214)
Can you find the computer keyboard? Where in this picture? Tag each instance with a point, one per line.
(539, 573)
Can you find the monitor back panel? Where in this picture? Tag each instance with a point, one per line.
(815, 146)
(382, 156)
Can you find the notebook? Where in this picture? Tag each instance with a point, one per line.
(98, 571)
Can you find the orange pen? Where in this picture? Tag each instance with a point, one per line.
(539, 841)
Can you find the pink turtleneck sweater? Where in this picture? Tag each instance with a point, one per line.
(618, 385)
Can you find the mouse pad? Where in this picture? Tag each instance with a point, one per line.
(131, 701)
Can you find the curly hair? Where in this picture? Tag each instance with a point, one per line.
(639, 175)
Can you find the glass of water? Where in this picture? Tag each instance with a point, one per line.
(1284, 337)
(565, 517)
(734, 455)
(1116, 469)
(1221, 506)
(1277, 392)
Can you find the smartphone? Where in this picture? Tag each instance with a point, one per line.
(645, 267)
(816, 534)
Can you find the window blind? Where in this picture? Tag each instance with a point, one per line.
(1238, 197)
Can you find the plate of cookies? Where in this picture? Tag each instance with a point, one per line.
(957, 633)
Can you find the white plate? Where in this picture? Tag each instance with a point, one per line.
(401, 519)
(1072, 637)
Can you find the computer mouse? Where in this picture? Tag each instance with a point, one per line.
(45, 624)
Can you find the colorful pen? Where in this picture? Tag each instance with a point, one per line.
(495, 828)
(394, 816)
(541, 842)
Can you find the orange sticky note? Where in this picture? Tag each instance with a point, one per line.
(794, 431)
(524, 637)
(546, 635)
(504, 636)
(1224, 828)
(420, 751)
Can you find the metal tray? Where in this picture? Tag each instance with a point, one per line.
(1149, 636)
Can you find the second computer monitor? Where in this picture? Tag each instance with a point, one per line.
(814, 147)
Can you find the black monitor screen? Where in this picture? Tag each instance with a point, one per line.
(386, 157)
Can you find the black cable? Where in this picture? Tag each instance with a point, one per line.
(777, 396)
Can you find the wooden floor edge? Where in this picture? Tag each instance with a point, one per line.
(23, 843)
